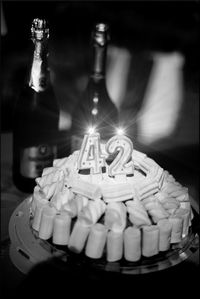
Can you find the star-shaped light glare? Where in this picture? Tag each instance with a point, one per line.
(120, 131)
(91, 130)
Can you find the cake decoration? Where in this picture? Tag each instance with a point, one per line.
(150, 240)
(123, 146)
(165, 228)
(110, 200)
(137, 213)
(132, 244)
(114, 246)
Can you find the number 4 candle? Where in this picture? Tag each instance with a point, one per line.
(90, 156)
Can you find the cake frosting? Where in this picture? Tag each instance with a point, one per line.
(113, 216)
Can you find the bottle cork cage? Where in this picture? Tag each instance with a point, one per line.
(27, 250)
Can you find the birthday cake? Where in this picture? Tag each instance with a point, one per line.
(110, 200)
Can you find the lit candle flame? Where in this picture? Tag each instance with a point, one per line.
(120, 131)
(91, 130)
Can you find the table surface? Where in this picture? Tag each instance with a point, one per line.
(11, 197)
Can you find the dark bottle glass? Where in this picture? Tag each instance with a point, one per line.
(36, 116)
(95, 108)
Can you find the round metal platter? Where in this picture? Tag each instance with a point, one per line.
(27, 250)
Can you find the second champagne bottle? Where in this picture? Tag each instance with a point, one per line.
(95, 109)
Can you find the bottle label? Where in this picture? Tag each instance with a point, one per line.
(76, 142)
(35, 159)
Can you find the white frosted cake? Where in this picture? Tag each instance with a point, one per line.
(127, 214)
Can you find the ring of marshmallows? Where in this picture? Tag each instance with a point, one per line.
(131, 217)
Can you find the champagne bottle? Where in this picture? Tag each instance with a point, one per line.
(36, 116)
(95, 109)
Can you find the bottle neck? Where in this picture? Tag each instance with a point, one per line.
(99, 61)
(39, 70)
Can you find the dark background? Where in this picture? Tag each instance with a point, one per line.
(141, 27)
